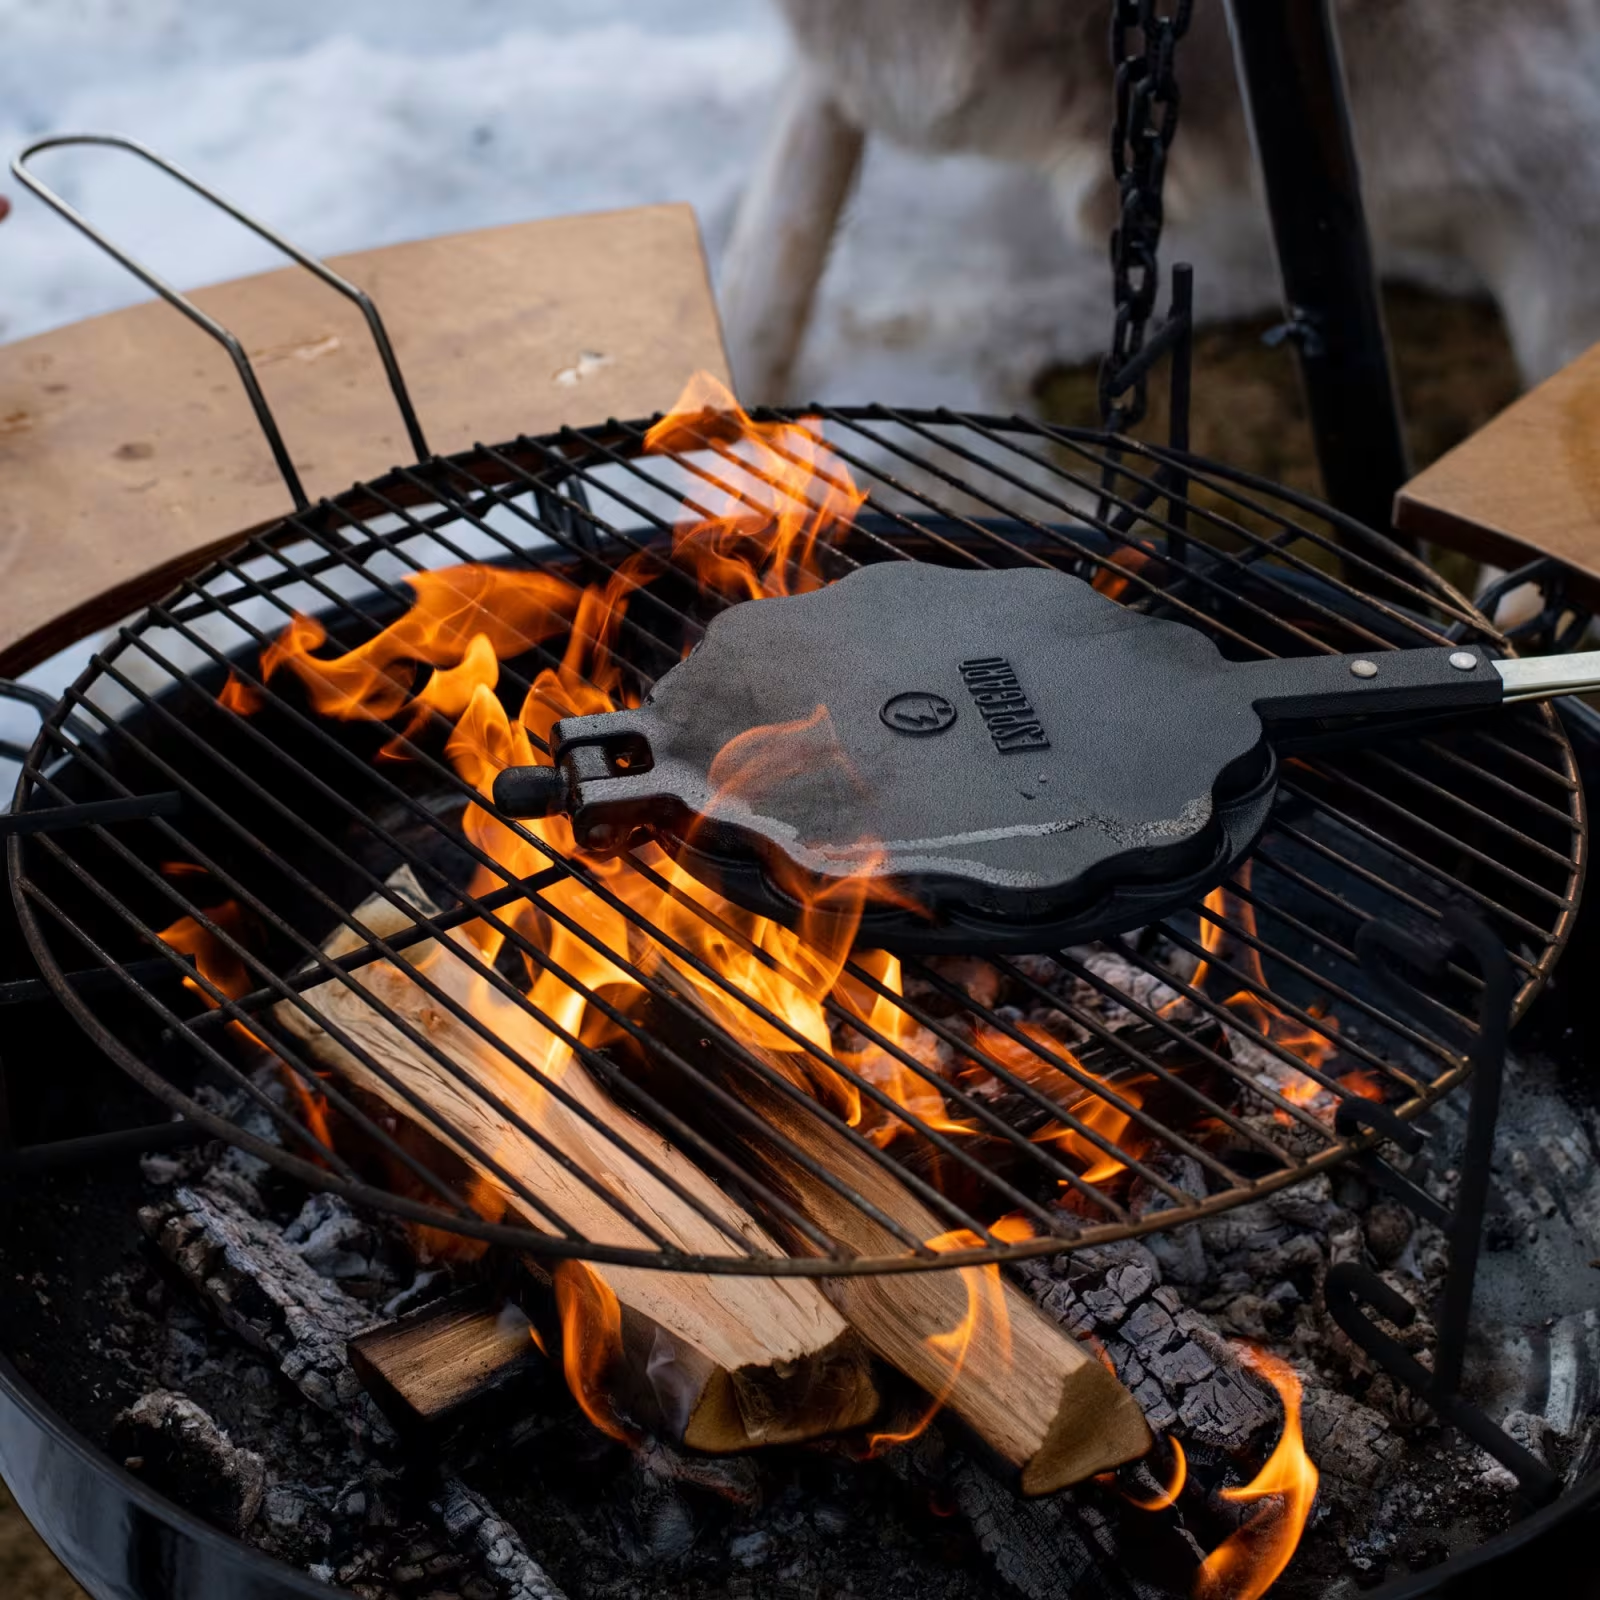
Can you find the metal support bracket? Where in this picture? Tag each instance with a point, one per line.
(1559, 625)
(1351, 1287)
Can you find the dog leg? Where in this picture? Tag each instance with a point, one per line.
(782, 235)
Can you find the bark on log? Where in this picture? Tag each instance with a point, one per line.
(1185, 1377)
(266, 1293)
(731, 1362)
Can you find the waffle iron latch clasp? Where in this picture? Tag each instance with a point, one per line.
(595, 780)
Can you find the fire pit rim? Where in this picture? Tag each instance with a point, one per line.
(491, 465)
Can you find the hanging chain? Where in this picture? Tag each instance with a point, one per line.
(1145, 120)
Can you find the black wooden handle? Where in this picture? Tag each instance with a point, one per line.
(1305, 688)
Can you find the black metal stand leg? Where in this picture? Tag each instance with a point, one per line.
(1292, 80)
(1350, 1286)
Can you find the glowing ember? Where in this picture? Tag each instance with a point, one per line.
(1247, 1563)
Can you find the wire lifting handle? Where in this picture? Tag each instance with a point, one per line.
(229, 341)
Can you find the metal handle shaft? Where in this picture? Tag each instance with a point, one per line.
(227, 340)
(1547, 677)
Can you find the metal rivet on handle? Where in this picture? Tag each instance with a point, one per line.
(1463, 662)
(1364, 669)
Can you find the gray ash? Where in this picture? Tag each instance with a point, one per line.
(216, 1366)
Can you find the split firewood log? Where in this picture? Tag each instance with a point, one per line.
(721, 1362)
(1037, 1397)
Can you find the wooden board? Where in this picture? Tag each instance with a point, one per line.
(1527, 484)
(129, 453)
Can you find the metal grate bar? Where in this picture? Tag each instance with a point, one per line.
(1166, 527)
(1365, 875)
(1214, 1058)
(1434, 831)
(833, 1065)
(1213, 586)
(1337, 991)
(1501, 785)
(1449, 797)
(441, 1058)
(1347, 552)
(1326, 941)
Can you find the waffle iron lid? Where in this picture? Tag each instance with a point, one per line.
(991, 748)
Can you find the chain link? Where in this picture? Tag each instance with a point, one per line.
(1146, 117)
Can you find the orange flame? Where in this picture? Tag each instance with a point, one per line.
(756, 531)
(779, 490)
(1247, 1563)
(764, 499)
(1113, 585)
(441, 1244)
(986, 1307)
(1314, 1046)
(1090, 1108)
(1169, 1495)
(240, 697)
(226, 971)
(591, 1343)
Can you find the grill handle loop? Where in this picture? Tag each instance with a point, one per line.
(175, 298)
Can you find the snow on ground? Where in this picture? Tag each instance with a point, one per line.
(363, 122)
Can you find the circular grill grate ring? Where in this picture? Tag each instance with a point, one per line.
(1202, 1095)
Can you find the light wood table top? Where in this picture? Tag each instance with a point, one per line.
(129, 454)
(1527, 484)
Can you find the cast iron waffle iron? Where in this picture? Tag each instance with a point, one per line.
(1013, 761)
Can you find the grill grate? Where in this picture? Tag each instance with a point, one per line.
(1205, 1094)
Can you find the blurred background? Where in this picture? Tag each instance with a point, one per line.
(952, 279)
(370, 121)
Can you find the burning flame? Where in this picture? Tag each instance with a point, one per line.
(780, 490)
(226, 971)
(591, 1343)
(761, 516)
(1169, 1495)
(1091, 1109)
(1314, 1046)
(986, 1309)
(1113, 584)
(1247, 1563)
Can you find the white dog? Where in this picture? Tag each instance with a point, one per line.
(1477, 124)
